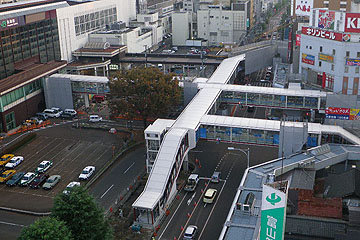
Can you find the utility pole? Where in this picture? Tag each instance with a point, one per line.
(145, 56)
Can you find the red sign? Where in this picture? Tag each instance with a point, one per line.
(337, 111)
(298, 40)
(321, 33)
(326, 19)
(352, 22)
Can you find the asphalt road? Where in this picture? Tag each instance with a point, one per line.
(189, 208)
(114, 183)
(11, 224)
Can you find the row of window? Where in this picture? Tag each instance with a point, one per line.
(20, 92)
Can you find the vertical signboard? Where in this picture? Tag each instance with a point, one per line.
(272, 214)
(326, 19)
(298, 40)
(303, 7)
(352, 22)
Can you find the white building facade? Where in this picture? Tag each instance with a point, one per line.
(181, 28)
(78, 21)
(330, 51)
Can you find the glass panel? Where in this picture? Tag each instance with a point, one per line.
(279, 100)
(266, 99)
(323, 103)
(293, 101)
(240, 97)
(253, 98)
(311, 102)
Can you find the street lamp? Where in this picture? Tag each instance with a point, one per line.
(245, 151)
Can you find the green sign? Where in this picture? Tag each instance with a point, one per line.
(272, 214)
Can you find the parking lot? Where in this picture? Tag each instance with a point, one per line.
(70, 150)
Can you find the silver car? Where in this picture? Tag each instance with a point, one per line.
(51, 182)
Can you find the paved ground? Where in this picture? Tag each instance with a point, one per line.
(209, 218)
(70, 150)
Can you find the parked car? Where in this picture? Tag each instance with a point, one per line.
(70, 111)
(190, 232)
(87, 173)
(15, 179)
(42, 116)
(5, 159)
(52, 113)
(38, 180)
(210, 195)
(70, 186)
(14, 161)
(51, 182)
(27, 178)
(95, 118)
(6, 175)
(44, 166)
(57, 110)
(67, 116)
(36, 120)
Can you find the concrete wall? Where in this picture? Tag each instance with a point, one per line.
(180, 28)
(259, 58)
(58, 92)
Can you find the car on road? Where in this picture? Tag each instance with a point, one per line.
(42, 116)
(15, 179)
(6, 175)
(67, 116)
(70, 186)
(27, 178)
(250, 109)
(70, 111)
(210, 195)
(87, 173)
(52, 113)
(36, 120)
(95, 118)
(57, 110)
(190, 232)
(215, 178)
(38, 180)
(191, 182)
(14, 162)
(51, 182)
(5, 159)
(44, 166)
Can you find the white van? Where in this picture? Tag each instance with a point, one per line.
(72, 112)
(215, 178)
(52, 113)
(95, 118)
(192, 182)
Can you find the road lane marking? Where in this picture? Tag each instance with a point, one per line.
(12, 224)
(190, 199)
(106, 191)
(207, 220)
(129, 168)
(173, 216)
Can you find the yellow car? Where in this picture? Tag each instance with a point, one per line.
(5, 159)
(6, 175)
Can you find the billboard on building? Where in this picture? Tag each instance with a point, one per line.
(322, 33)
(308, 59)
(272, 213)
(326, 19)
(303, 7)
(353, 61)
(337, 113)
(326, 58)
(352, 22)
(11, 22)
(298, 39)
(354, 114)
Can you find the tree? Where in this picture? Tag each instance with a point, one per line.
(82, 215)
(144, 92)
(46, 228)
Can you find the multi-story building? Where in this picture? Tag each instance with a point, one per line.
(330, 51)
(219, 24)
(30, 51)
(301, 8)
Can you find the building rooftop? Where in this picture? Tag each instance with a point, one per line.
(82, 78)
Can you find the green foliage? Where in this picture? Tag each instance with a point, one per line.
(46, 228)
(144, 92)
(82, 215)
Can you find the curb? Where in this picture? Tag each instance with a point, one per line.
(24, 211)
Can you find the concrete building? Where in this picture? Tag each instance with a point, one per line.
(330, 51)
(339, 5)
(223, 25)
(76, 22)
(182, 28)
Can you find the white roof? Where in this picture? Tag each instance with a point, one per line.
(197, 108)
(81, 78)
(265, 90)
(273, 125)
(161, 169)
(159, 125)
(225, 70)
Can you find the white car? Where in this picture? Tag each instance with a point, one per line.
(43, 166)
(68, 188)
(14, 161)
(72, 112)
(87, 173)
(57, 110)
(52, 113)
(95, 118)
(27, 178)
(190, 232)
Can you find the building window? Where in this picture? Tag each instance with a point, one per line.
(310, 47)
(357, 70)
(332, 67)
(358, 54)
(347, 54)
(319, 63)
(346, 69)
(333, 51)
(10, 121)
(320, 48)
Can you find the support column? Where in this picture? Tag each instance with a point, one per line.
(104, 71)
(95, 70)
(186, 162)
